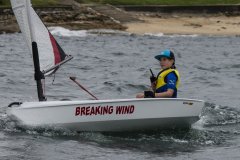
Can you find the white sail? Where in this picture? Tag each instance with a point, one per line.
(33, 29)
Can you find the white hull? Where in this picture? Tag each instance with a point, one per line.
(137, 114)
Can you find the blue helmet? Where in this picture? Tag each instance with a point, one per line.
(166, 53)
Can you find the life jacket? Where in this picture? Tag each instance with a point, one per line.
(162, 77)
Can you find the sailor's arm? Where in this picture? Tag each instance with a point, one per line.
(167, 94)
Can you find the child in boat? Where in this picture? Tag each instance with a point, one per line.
(166, 83)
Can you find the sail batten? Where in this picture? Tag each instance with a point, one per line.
(54, 68)
(33, 29)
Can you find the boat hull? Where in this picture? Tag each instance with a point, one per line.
(110, 115)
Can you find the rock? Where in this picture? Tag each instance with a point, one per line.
(80, 17)
(47, 19)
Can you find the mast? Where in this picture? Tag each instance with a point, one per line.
(38, 75)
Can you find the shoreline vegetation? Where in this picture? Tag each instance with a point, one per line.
(104, 14)
(130, 2)
(6, 3)
(162, 2)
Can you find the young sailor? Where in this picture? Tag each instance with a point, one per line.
(165, 85)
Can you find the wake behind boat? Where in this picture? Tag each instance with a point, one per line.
(88, 115)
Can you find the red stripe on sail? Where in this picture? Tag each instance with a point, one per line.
(56, 52)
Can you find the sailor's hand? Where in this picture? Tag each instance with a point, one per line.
(153, 85)
(149, 94)
(153, 79)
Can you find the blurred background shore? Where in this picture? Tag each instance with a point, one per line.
(219, 17)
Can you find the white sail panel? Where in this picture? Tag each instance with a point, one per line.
(33, 29)
(45, 49)
(19, 9)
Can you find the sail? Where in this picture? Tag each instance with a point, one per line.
(51, 55)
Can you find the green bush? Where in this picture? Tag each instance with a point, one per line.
(162, 2)
(133, 2)
(34, 2)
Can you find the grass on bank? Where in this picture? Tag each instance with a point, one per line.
(131, 2)
(34, 2)
(162, 2)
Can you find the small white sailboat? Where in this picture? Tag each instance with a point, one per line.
(89, 115)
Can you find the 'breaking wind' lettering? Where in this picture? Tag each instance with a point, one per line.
(103, 110)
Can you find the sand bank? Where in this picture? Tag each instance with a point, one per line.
(186, 24)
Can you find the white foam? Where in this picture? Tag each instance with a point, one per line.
(107, 31)
(178, 140)
(154, 34)
(60, 31)
(199, 125)
(183, 35)
(209, 142)
(168, 35)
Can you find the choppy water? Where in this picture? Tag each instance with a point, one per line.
(117, 66)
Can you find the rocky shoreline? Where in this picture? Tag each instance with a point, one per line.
(73, 17)
(91, 16)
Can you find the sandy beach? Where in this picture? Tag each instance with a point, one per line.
(186, 24)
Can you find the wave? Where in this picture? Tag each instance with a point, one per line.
(216, 115)
(107, 31)
(61, 31)
(168, 35)
(154, 34)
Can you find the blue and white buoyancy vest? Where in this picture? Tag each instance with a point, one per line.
(164, 79)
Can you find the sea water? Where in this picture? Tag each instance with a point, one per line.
(116, 65)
